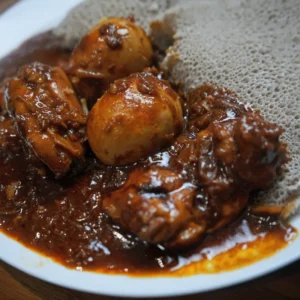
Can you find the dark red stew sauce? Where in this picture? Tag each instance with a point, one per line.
(63, 219)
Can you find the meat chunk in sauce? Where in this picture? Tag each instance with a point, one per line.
(240, 138)
(226, 152)
(209, 103)
(260, 152)
(48, 116)
(157, 205)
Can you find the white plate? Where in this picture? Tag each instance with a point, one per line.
(16, 25)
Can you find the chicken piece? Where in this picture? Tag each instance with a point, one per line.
(158, 206)
(135, 117)
(261, 154)
(48, 116)
(209, 103)
(226, 196)
(246, 150)
(243, 140)
(113, 49)
(230, 159)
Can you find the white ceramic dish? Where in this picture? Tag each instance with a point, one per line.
(34, 17)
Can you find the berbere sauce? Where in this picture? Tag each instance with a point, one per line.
(63, 219)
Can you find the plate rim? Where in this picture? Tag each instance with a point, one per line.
(41, 266)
